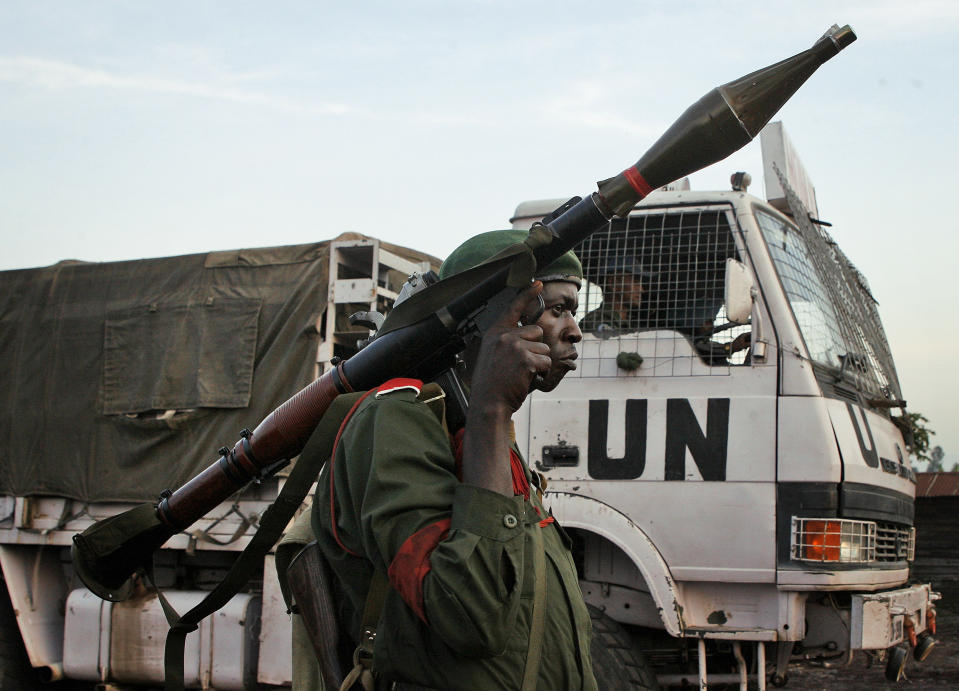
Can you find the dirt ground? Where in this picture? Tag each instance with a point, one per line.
(939, 671)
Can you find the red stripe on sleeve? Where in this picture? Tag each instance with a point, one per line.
(412, 562)
(637, 181)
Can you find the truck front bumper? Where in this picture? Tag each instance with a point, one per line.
(882, 620)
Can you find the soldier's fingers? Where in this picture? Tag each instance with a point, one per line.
(531, 332)
(541, 363)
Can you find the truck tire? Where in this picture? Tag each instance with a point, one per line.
(16, 674)
(617, 663)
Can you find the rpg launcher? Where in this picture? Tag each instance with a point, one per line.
(423, 334)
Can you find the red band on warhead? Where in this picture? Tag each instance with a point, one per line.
(637, 181)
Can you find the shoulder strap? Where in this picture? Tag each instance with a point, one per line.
(272, 524)
(362, 671)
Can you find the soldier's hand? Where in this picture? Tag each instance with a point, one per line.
(741, 342)
(510, 356)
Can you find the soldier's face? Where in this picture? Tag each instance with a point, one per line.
(632, 290)
(560, 330)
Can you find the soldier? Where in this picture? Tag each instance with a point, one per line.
(483, 592)
(625, 305)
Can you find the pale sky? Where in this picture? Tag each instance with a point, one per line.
(140, 129)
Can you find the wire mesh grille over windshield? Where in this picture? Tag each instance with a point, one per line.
(834, 307)
(654, 286)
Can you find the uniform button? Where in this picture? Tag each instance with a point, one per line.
(509, 520)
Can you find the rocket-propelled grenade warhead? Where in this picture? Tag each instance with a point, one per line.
(720, 123)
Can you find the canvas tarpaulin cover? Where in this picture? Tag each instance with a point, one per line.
(124, 378)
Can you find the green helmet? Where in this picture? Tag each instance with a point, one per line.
(484, 246)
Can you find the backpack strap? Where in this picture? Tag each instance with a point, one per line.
(362, 671)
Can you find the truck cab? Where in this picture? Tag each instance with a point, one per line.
(727, 454)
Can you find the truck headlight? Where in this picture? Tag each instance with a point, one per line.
(833, 540)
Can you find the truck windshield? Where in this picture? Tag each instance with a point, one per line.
(806, 293)
(654, 286)
(834, 308)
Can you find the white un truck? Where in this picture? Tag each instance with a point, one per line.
(730, 456)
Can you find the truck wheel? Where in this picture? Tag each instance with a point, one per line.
(617, 664)
(16, 674)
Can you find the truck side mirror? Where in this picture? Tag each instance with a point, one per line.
(739, 292)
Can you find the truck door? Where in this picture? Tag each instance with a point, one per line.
(669, 419)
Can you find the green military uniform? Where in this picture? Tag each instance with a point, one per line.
(394, 476)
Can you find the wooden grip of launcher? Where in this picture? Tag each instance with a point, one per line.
(282, 435)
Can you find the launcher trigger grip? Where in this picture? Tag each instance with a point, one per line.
(527, 319)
